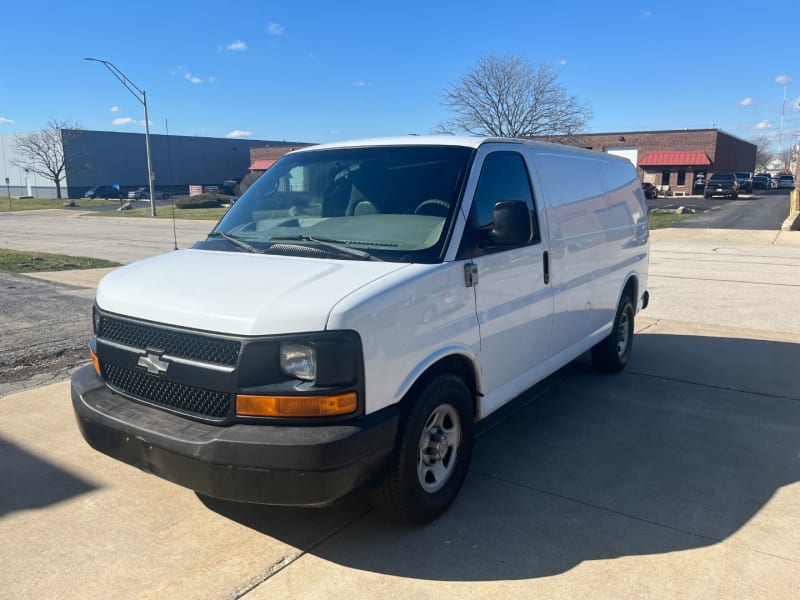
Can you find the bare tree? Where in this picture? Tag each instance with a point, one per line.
(763, 154)
(507, 96)
(42, 152)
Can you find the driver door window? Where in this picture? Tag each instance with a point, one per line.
(503, 177)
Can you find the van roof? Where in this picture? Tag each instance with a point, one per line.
(442, 140)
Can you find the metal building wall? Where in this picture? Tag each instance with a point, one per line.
(108, 158)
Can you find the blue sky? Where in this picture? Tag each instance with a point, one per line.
(324, 71)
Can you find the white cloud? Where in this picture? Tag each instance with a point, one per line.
(747, 102)
(238, 133)
(114, 109)
(237, 46)
(646, 14)
(190, 77)
(795, 104)
(197, 80)
(275, 29)
(4, 121)
(562, 62)
(360, 83)
(123, 121)
(764, 125)
(783, 79)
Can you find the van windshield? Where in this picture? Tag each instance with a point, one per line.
(394, 203)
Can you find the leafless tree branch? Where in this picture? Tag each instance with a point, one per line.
(506, 96)
(42, 152)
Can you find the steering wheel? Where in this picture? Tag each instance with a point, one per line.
(433, 207)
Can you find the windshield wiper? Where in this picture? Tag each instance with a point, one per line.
(334, 245)
(235, 240)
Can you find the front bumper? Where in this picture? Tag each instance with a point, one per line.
(270, 464)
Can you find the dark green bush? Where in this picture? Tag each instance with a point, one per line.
(201, 201)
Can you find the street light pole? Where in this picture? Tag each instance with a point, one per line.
(141, 96)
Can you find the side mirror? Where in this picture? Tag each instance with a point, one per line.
(512, 224)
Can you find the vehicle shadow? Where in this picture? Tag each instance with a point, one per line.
(28, 482)
(678, 452)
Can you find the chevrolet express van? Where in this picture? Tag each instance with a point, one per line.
(357, 311)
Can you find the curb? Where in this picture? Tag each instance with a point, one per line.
(792, 222)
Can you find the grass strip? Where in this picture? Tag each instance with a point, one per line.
(17, 261)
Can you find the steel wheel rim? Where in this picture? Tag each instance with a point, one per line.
(623, 332)
(438, 448)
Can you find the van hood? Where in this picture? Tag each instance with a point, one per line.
(236, 293)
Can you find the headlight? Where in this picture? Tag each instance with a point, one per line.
(96, 320)
(299, 361)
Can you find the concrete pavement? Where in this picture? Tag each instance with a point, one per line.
(123, 240)
(679, 477)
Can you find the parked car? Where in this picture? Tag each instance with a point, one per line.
(745, 181)
(104, 191)
(650, 190)
(229, 186)
(722, 184)
(699, 185)
(290, 360)
(143, 193)
(785, 181)
(762, 182)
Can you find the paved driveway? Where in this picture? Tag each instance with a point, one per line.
(123, 240)
(679, 477)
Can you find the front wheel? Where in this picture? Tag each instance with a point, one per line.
(429, 462)
(611, 354)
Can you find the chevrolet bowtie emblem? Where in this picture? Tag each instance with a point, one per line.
(153, 364)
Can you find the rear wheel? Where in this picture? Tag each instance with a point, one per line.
(429, 462)
(611, 354)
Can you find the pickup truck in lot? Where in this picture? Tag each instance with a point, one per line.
(722, 184)
(745, 181)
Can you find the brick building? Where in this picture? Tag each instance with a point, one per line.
(263, 158)
(677, 158)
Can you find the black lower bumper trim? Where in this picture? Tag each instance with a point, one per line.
(270, 464)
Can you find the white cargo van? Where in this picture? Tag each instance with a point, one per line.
(357, 310)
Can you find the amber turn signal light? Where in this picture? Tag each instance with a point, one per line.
(296, 406)
(95, 362)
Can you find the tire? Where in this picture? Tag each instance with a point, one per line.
(165, 196)
(431, 455)
(611, 354)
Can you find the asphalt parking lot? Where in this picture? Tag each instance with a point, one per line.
(679, 477)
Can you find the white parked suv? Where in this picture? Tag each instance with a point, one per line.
(357, 310)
